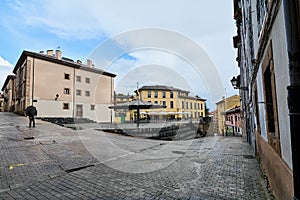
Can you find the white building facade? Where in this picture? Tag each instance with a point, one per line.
(264, 77)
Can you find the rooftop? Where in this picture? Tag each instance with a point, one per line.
(161, 87)
(7, 80)
(50, 57)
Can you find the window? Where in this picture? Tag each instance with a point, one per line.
(164, 103)
(155, 94)
(156, 102)
(195, 106)
(270, 100)
(187, 105)
(66, 91)
(78, 92)
(171, 95)
(149, 102)
(87, 80)
(171, 104)
(235, 118)
(182, 105)
(191, 105)
(149, 94)
(92, 107)
(256, 110)
(201, 106)
(163, 94)
(198, 105)
(66, 106)
(78, 78)
(67, 76)
(87, 93)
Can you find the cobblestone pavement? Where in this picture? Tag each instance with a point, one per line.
(52, 162)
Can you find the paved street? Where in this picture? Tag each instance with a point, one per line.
(53, 162)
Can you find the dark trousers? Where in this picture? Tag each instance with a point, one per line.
(31, 121)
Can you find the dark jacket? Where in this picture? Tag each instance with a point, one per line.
(30, 111)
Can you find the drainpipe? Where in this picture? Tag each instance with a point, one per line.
(292, 18)
(32, 87)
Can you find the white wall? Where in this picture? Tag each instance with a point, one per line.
(47, 108)
(103, 113)
(282, 81)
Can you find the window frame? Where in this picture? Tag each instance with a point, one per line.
(87, 93)
(66, 106)
(67, 91)
(67, 76)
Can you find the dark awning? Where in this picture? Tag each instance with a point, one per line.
(137, 104)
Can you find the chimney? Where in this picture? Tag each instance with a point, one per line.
(41, 52)
(79, 62)
(50, 52)
(89, 63)
(58, 54)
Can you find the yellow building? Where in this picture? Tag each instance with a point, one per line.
(222, 106)
(179, 105)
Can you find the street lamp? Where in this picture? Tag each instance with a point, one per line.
(235, 82)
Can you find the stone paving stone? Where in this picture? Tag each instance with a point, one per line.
(205, 170)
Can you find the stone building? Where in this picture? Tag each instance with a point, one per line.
(9, 93)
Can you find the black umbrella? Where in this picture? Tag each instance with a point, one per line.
(137, 105)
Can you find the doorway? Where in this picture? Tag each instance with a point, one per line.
(79, 111)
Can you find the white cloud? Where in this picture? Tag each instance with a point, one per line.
(208, 22)
(5, 63)
(91, 18)
(5, 69)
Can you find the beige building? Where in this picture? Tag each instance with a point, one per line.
(179, 105)
(60, 87)
(9, 95)
(222, 106)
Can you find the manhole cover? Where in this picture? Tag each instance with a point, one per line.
(178, 152)
(248, 156)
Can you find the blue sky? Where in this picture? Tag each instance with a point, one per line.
(80, 27)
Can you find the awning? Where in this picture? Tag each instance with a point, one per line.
(137, 104)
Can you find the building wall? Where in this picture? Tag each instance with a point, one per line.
(9, 94)
(195, 112)
(233, 122)
(278, 37)
(1, 104)
(276, 160)
(282, 80)
(222, 106)
(22, 87)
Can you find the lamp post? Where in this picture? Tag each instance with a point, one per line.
(235, 82)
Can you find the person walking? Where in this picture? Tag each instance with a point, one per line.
(31, 111)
